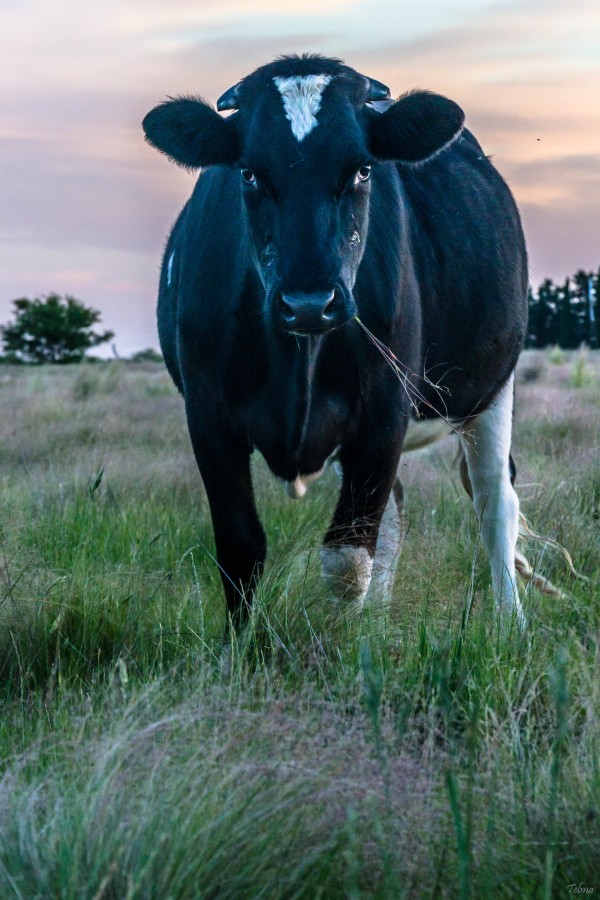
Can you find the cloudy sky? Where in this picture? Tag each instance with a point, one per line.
(85, 205)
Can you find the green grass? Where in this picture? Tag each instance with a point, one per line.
(428, 755)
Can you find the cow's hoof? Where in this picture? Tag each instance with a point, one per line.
(347, 571)
(511, 618)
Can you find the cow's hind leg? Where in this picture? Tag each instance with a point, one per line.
(486, 446)
(390, 539)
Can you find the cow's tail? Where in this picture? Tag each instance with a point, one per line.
(526, 534)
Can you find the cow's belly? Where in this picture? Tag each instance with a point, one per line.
(298, 450)
(420, 434)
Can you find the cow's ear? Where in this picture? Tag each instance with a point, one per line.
(191, 133)
(416, 127)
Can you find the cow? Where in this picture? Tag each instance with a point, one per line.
(346, 265)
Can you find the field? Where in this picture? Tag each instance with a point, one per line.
(431, 754)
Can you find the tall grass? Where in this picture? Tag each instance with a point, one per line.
(428, 754)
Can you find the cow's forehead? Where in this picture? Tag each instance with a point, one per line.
(305, 67)
(302, 97)
(284, 108)
(299, 86)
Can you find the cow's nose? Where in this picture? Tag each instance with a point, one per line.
(309, 313)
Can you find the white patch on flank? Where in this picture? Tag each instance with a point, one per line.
(170, 269)
(302, 101)
(423, 432)
(486, 445)
(347, 570)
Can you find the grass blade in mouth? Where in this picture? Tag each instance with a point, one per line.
(405, 376)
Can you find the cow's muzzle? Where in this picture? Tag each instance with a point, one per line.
(312, 313)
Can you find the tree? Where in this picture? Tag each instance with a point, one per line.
(567, 318)
(53, 329)
(543, 315)
(566, 315)
(586, 292)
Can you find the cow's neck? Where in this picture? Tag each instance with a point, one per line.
(304, 370)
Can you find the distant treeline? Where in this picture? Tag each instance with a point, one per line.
(566, 315)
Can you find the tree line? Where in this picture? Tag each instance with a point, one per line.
(565, 315)
(56, 329)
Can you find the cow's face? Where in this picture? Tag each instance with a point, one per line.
(305, 188)
(306, 145)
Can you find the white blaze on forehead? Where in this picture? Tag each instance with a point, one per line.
(302, 101)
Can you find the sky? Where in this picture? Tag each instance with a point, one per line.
(86, 205)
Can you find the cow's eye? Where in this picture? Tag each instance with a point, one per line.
(363, 174)
(248, 177)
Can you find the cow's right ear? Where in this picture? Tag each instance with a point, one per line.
(191, 133)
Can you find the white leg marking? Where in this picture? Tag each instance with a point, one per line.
(302, 101)
(170, 269)
(350, 571)
(392, 532)
(486, 446)
(347, 571)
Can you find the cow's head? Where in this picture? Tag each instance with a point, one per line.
(305, 140)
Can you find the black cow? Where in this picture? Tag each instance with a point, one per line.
(339, 270)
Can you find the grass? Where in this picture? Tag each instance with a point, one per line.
(431, 755)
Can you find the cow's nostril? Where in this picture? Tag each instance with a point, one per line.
(286, 309)
(329, 308)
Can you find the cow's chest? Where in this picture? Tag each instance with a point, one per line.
(296, 430)
(298, 409)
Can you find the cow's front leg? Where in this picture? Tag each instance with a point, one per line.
(224, 463)
(359, 549)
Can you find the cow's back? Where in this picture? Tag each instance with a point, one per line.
(468, 249)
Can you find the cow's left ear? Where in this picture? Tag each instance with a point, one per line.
(417, 126)
(192, 134)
